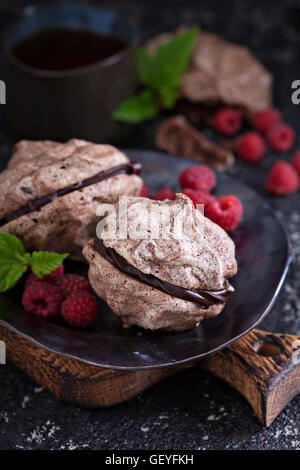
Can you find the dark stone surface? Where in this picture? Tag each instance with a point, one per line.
(191, 410)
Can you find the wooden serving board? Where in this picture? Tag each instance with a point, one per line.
(264, 367)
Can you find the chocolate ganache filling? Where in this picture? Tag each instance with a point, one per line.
(201, 296)
(35, 204)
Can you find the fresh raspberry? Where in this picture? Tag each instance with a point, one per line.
(281, 137)
(59, 272)
(80, 309)
(251, 147)
(165, 193)
(264, 120)
(198, 197)
(72, 284)
(282, 179)
(198, 177)
(48, 278)
(34, 278)
(227, 121)
(226, 211)
(145, 191)
(296, 161)
(43, 299)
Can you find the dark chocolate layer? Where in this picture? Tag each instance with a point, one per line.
(201, 296)
(35, 204)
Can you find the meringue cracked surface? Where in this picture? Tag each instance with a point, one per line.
(200, 260)
(41, 168)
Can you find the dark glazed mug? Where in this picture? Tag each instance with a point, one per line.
(78, 102)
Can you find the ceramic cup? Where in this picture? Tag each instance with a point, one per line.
(59, 105)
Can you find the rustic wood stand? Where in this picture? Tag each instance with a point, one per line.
(264, 367)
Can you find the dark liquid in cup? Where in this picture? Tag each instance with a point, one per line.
(64, 49)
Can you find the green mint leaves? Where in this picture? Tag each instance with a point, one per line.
(160, 73)
(137, 108)
(44, 262)
(14, 261)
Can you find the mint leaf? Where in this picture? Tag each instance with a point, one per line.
(145, 67)
(161, 73)
(44, 262)
(172, 58)
(10, 274)
(12, 264)
(137, 108)
(169, 97)
(14, 261)
(10, 246)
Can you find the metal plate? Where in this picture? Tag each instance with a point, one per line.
(263, 257)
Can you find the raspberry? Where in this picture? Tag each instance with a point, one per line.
(72, 284)
(145, 191)
(43, 299)
(296, 161)
(80, 309)
(264, 120)
(281, 137)
(198, 197)
(227, 121)
(165, 193)
(282, 179)
(34, 278)
(198, 177)
(226, 211)
(251, 147)
(59, 272)
(48, 278)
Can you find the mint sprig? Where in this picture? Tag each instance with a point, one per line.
(160, 73)
(137, 108)
(14, 261)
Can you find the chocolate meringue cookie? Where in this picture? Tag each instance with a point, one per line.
(223, 73)
(50, 191)
(159, 283)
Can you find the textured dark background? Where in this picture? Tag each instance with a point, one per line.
(191, 410)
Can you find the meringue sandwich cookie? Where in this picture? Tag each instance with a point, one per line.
(169, 284)
(50, 192)
(28, 149)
